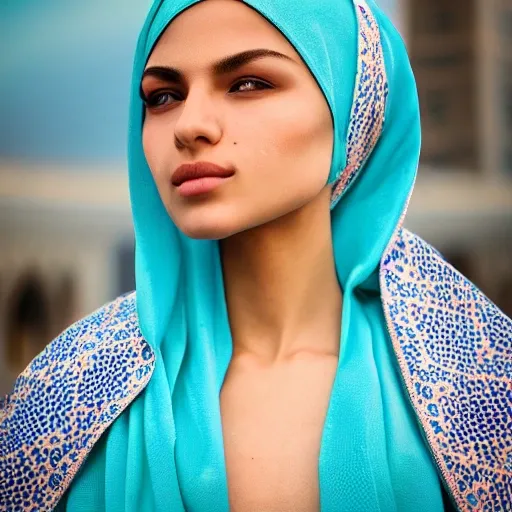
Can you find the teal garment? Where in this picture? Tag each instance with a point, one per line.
(165, 452)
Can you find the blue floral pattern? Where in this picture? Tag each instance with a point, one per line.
(63, 402)
(369, 105)
(454, 347)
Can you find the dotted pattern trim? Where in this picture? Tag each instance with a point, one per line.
(64, 401)
(368, 107)
(454, 347)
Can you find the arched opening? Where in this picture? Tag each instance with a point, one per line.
(28, 322)
(64, 303)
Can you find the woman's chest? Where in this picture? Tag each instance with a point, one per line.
(272, 427)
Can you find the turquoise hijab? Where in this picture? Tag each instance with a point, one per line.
(165, 453)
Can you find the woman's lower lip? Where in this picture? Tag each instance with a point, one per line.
(199, 186)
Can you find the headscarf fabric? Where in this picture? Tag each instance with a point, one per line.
(165, 452)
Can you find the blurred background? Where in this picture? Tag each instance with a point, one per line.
(65, 224)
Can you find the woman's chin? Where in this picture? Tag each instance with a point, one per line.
(208, 229)
(206, 234)
(203, 220)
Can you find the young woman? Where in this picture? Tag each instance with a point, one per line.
(289, 347)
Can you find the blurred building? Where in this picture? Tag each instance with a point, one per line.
(66, 232)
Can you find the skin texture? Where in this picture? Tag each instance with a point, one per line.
(273, 222)
(278, 139)
(273, 215)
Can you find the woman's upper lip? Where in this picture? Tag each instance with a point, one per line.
(196, 170)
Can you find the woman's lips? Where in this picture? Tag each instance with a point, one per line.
(199, 178)
(199, 186)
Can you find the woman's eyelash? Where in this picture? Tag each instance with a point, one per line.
(253, 80)
(157, 99)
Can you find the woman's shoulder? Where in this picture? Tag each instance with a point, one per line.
(422, 294)
(67, 397)
(82, 346)
(454, 349)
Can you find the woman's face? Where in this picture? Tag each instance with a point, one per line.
(265, 119)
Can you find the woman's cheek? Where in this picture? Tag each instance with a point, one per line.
(147, 146)
(154, 152)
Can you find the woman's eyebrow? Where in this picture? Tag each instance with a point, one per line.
(224, 66)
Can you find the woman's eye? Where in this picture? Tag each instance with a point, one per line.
(159, 99)
(250, 84)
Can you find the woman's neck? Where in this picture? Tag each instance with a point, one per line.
(282, 292)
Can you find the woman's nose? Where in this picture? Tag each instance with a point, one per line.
(198, 122)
